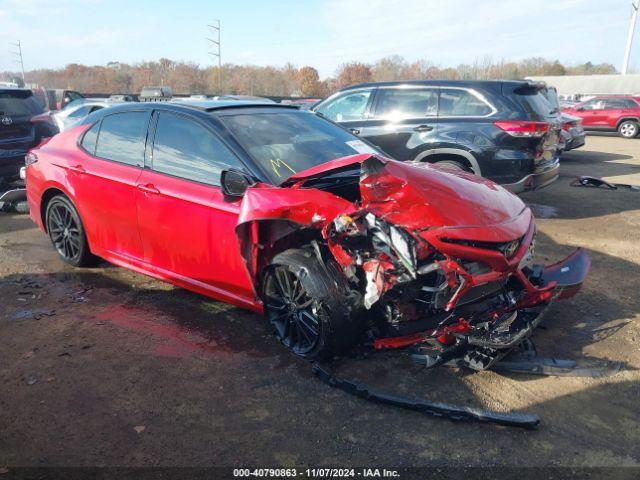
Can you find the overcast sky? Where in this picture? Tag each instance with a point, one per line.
(321, 33)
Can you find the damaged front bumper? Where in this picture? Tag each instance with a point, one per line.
(481, 348)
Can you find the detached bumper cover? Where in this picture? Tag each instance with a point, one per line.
(536, 180)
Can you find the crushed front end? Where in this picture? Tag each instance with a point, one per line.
(430, 257)
(470, 291)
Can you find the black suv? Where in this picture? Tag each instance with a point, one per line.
(23, 124)
(503, 130)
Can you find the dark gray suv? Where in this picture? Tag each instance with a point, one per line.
(502, 130)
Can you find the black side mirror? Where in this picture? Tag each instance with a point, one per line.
(234, 184)
(579, 109)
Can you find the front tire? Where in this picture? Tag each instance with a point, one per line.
(628, 129)
(309, 305)
(66, 232)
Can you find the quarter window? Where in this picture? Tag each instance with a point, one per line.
(186, 149)
(122, 137)
(396, 103)
(348, 107)
(462, 103)
(89, 139)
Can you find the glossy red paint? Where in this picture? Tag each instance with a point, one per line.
(606, 112)
(193, 236)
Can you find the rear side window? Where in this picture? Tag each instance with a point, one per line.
(122, 137)
(89, 139)
(80, 112)
(395, 103)
(348, 107)
(534, 102)
(462, 103)
(620, 103)
(19, 103)
(186, 149)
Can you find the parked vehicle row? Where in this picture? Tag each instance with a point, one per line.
(609, 114)
(502, 130)
(281, 211)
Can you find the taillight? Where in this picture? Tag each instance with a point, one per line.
(30, 158)
(517, 128)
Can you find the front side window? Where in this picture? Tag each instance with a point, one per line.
(122, 137)
(398, 103)
(462, 103)
(348, 107)
(288, 142)
(594, 104)
(186, 149)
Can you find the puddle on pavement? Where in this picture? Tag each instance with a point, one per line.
(543, 211)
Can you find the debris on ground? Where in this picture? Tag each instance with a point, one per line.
(586, 181)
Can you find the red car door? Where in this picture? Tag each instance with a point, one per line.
(593, 113)
(186, 225)
(104, 175)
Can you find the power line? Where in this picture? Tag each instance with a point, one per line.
(215, 42)
(635, 4)
(18, 55)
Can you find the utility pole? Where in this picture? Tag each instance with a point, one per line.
(632, 26)
(215, 31)
(18, 55)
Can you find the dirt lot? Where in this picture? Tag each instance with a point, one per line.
(106, 367)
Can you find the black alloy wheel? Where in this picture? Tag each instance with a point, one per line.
(293, 313)
(66, 232)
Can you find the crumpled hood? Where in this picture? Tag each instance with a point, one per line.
(419, 196)
(432, 202)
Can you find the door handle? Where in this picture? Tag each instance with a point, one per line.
(77, 168)
(148, 188)
(423, 128)
(355, 131)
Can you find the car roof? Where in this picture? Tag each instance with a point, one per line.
(441, 83)
(200, 105)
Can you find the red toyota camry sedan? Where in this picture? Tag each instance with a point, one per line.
(281, 211)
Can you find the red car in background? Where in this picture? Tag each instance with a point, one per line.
(609, 114)
(281, 211)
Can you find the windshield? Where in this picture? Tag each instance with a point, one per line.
(288, 142)
(18, 103)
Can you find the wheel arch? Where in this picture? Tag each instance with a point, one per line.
(627, 119)
(46, 197)
(437, 154)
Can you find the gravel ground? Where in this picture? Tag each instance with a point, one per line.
(104, 367)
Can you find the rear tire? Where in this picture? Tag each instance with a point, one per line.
(628, 129)
(66, 232)
(309, 305)
(453, 165)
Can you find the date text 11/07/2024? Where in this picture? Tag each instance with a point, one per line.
(316, 473)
